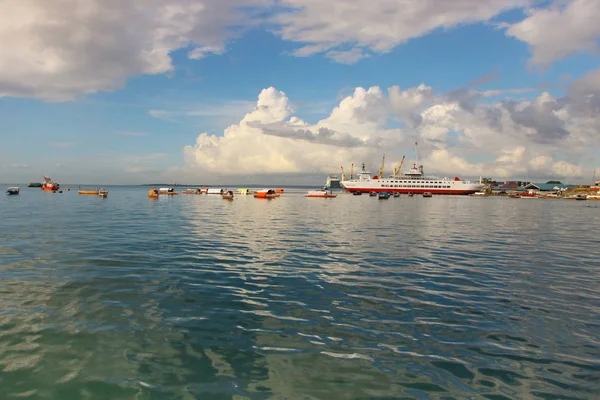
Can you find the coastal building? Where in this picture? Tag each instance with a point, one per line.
(548, 187)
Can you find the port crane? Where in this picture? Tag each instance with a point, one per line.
(398, 167)
(381, 168)
(343, 174)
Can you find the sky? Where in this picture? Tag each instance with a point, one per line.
(288, 91)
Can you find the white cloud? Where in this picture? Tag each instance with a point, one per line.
(18, 166)
(324, 26)
(560, 30)
(545, 137)
(58, 49)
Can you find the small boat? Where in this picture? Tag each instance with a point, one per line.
(324, 194)
(397, 194)
(373, 194)
(103, 193)
(167, 191)
(191, 191)
(49, 185)
(528, 195)
(153, 194)
(228, 195)
(12, 190)
(89, 192)
(357, 193)
(593, 197)
(384, 195)
(410, 194)
(427, 194)
(581, 197)
(265, 194)
(279, 191)
(514, 196)
(34, 184)
(243, 191)
(479, 194)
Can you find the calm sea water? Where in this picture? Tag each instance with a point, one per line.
(194, 297)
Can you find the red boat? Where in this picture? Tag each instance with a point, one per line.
(49, 184)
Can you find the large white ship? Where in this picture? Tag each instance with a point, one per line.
(413, 181)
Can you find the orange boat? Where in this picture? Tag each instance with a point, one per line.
(153, 194)
(265, 194)
(90, 192)
(279, 191)
(48, 184)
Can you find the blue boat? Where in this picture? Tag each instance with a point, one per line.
(384, 195)
(333, 183)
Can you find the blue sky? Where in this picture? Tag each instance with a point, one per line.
(98, 121)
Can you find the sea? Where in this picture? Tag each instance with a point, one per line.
(196, 297)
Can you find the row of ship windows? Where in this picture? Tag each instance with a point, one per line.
(415, 181)
(418, 186)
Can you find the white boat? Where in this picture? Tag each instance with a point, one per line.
(333, 183)
(479, 194)
(12, 190)
(215, 191)
(414, 181)
(103, 193)
(325, 194)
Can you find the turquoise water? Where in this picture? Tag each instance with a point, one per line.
(194, 297)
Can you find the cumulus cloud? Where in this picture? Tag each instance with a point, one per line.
(544, 137)
(58, 49)
(326, 26)
(557, 31)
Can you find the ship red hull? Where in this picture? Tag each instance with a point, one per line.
(412, 190)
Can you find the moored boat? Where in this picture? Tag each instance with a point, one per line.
(265, 194)
(427, 194)
(167, 192)
(479, 194)
(514, 196)
(325, 194)
(413, 181)
(191, 191)
(373, 194)
(333, 183)
(384, 195)
(49, 185)
(12, 190)
(89, 192)
(356, 193)
(243, 191)
(528, 195)
(34, 184)
(218, 191)
(581, 197)
(153, 194)
(103, 193)
(593, 197)
(396, 194)
(228, 195)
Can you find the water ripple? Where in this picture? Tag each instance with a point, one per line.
(194, 297)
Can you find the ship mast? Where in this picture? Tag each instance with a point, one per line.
(352, 171)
